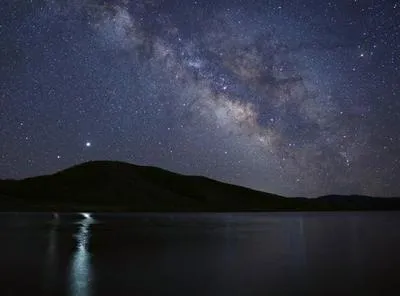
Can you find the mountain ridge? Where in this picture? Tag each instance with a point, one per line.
(121, 186)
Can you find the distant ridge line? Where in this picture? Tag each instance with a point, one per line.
(120, 186)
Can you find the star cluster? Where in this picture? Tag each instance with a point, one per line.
(299, 98)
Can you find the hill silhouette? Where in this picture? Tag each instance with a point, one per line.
(119, 186)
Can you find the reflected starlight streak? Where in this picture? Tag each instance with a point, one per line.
(51, 265)
(81, 270)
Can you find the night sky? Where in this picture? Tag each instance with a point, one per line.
(299, 98)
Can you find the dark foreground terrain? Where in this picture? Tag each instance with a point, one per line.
(118, 186)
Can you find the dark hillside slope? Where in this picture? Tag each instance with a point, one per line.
(105, 184)
(109, 186)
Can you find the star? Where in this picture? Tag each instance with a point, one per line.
(285, 94)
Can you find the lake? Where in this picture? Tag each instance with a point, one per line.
(349, 253)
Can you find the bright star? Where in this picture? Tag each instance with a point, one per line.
(88, 144)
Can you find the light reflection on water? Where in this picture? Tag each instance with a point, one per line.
(81, 271)
(282, 254)
(51, 264)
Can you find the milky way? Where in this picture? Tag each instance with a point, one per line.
(299, 99)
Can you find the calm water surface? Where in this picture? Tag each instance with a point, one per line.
(200, 254)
